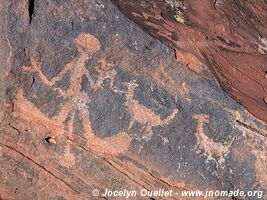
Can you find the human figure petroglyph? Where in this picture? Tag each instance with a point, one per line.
(86, 45)
(78, 100)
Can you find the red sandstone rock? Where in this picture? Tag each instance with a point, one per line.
(91, 101)
(227, 36)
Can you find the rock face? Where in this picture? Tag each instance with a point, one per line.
(95, 100)
(228, 37)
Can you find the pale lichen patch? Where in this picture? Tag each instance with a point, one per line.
(179, 19)
(262, 48)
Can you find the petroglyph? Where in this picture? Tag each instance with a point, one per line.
(261, 166)
(210, 147)
(68, 158)
(86, 45)
(104, 71)
(164, 76)
(184, 91)
(142, 114)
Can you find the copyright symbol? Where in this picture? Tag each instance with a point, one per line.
(95, 192)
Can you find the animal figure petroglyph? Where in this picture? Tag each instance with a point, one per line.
(77, 100)
(142, 114)
(210, 147)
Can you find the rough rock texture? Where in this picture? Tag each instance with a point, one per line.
(4, 50)
(228, 37)
(93, 101)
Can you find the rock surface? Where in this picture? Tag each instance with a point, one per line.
(93, 101)
(228, 37)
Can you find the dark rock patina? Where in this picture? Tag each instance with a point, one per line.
(120, 110)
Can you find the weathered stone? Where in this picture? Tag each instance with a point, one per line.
(95, 102)
(229, 37)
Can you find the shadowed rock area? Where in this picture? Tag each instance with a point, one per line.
(99, 95)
